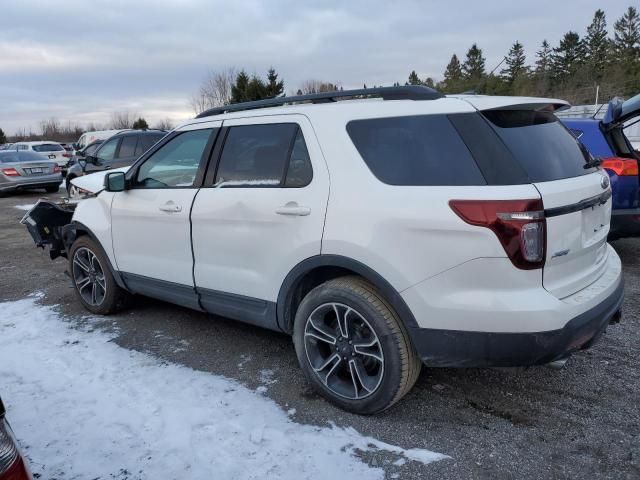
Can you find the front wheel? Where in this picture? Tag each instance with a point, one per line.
(353, 347)
(94, 284)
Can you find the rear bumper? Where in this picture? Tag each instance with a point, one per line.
(27, 183)
(451, 348)
(625, 223)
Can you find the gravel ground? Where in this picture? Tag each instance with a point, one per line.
(579, 422)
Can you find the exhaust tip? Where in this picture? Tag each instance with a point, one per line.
(558, 364)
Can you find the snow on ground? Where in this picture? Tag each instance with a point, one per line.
(25, 207)
(85, 408)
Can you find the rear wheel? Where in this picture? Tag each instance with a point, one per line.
(52, 188)
(352, 346)
(94, 284)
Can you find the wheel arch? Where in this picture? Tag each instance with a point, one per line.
(75, 230)
(313, 271)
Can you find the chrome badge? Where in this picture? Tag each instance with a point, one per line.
(604, 182)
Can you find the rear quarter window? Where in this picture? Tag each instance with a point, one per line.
(415, 150)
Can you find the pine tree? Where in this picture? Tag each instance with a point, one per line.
(626, 40)
(414, 79)
(567, 57)
(3, 137)
(239, 89)
(515, 63)
(140, 124)
(596, 45)
(428, 82)
(543, 58)
(473, 66)
(274, 87)
(452, 74)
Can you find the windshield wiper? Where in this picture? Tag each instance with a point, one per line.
(594, 162)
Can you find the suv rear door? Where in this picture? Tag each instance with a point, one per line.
(260, 213)
(576, 197)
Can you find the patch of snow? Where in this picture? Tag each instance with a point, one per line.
(25, 207)
(291, 412)
(85, 408)
(266, 377)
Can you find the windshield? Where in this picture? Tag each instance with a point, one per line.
(48, 147)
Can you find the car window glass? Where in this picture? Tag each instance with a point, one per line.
(255, 155)
(91, 149)
(128, 146)
(146, 142)
(176, 163)
(48, 147)
(299, 173)
(415, 150)
(108, 149)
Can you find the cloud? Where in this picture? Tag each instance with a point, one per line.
(80, 60)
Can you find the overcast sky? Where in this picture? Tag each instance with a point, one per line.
(81, 60)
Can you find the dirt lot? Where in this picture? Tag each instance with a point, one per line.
(579, 422)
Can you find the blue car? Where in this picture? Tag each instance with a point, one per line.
(605, 140)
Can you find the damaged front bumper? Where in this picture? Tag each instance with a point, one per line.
(49, 224)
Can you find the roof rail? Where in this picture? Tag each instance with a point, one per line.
(408, 92)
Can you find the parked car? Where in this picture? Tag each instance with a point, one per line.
(90, 137)
(86, 151)
(605, 139)
(6, 146)
(51, 150)
(120, 150)
(23, 170)
(381, 234)
(13, 466)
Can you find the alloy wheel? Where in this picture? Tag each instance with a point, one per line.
(344, 351)
(88, 276)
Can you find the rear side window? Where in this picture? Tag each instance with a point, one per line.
(264, 155)
(415, 150)
(128, 146)
(48, 147)
(543, 147)
(145, 142)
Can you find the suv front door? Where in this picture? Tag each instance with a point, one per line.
(150, 221)
(261, 213)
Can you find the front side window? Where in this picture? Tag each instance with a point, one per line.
(270, 155)
(176, 163)
(108, 149)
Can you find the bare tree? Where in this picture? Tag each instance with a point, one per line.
(164, 124)
(123, 119)
(214, 91)
(317, 86)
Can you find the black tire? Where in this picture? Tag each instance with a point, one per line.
(52, 189)
(371, 320)
(109, 297)
(68, 184)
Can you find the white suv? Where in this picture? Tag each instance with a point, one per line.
(382, 233)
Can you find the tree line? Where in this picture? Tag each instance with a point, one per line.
(575, 69)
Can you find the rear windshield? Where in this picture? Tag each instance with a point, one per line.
(48, 147)
(543, 147)
(415, 150)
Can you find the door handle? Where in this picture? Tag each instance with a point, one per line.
(170, 207)
(293, 209)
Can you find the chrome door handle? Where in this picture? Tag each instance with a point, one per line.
(293, 209)
(170, 207)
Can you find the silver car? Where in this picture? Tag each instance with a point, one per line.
(21, 170)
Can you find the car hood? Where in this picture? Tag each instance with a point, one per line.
(94, 182)
(619, 111)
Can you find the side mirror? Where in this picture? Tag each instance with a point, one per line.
(114, 182)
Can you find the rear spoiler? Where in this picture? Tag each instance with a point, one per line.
(620, 110)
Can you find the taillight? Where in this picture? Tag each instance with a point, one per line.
(57, 169)
(10, 172)
(623, 167)
(518, 224)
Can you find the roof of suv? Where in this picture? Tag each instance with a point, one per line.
(395, 101)
(138, 132)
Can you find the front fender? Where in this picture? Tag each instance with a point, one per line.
(95, 215)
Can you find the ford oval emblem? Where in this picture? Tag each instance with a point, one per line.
(604, 182)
